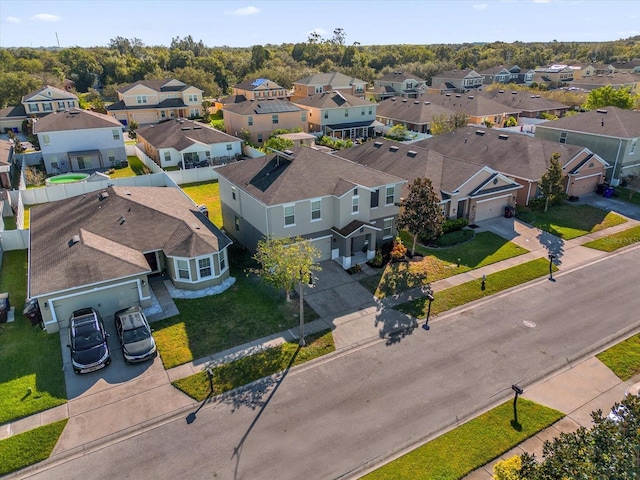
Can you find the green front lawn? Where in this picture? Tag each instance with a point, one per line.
(471, 445)
(31, 377)
(135, 167)
(623, 359)
(623, 194)
(470, 291)
(615, 241)
(30, 447)
(248, 310)
(486, 248)
(248, 369)
(9, 223)
(569, 221)
(206, 193)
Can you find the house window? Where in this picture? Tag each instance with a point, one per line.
(116, 134)
(326, 114)
(289, 215)
(390, 197)
(375, 198)
(163, 114)
(316, 213)
(362, 112)
(359, 88)
(183, 269)
(222, 262)
(318, 89)
(61, 105)
(233, 192)
(112, 157)
(141, 99)
(274, 119)
(633, 147)
(346, 112)
(303, 116)
(387, 227)
(193, 97)
(355, 204)
(33, 107)
(71, 104)
(46, 140)
(370, 110)
(236, 222)
(563, 137)
(229, 147)
(194, 112)
(54, 165)
(250, 121)
(46, 107)
(259, 138)
(204, 267)
(167, 156)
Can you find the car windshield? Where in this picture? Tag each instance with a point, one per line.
(86, 336)
(135, 334)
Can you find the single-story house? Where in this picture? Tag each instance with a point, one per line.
(98, 250)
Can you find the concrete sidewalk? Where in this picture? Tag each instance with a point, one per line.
(155, 400)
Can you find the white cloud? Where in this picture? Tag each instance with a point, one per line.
(13, 20)
(480, 6)
(245, 11)
(320, 31)
(46, 17)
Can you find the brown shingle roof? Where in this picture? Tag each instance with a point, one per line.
(334, 79)
(113, 233)
(261, 107)
(332, 100)
(274, 180)
(616, 122)
(182, 133)
(522, 100)
(75, 119)
(418, 111)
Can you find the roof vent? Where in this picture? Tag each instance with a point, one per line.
(412, 153)
(480, 132)
(121, 220)
(404, 100)
(288, 152)
(377, 144)
(197, 127)
(427, 103)
(185, 128)
(393, 148)
(514, 93)
(458, 95)
(127, 192)
(393, 99)
(502, 136)
(416, 102)
(500, 91)
(447, 94)
(75, 239)
(471, 97)
(103, 195)
(601, 110)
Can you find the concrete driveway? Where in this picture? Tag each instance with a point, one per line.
(613, 204)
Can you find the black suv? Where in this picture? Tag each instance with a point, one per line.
(88, 341)
(134, 334)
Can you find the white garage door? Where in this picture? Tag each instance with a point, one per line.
(491, 208)
(324, 246)
(106, 301)
(143, 118)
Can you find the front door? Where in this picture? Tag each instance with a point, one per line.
(152, 260)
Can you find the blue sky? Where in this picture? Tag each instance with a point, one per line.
(237, 23)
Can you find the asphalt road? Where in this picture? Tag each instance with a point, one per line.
(327, 420)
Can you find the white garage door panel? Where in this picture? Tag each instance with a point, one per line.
(491, 208)
(143, 118)
(324, 246)
(106, 301)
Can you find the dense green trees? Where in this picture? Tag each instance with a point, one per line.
(216, 69)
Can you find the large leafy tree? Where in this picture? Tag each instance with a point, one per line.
(550, 184)
(609, 96)
(14, 85)
(609, 450)
(284, 262)
(420, 212)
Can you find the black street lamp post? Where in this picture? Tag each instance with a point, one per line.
(429, 295)
(551, 258)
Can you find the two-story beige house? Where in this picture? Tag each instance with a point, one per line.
(152, 101)
(397, 84)
(553, 76)
(259, 118)
(343, 208)
(48, 99)
(455, 81)
(328, 82)
(340, 115)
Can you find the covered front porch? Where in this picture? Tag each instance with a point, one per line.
(354, 244)
(353, 130)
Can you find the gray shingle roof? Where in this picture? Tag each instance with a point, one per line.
(310, 174)
(179, 134)
(156, 85)
(332, 100)
(261, 107)
(56, 94)
(334, 79)
(155, 218)
(419, 113)
(616, 122)
(399, 77)
(522, 100)
(74, 119)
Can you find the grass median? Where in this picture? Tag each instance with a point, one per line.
(30, 447)
(468, 292)
(613, 242)
(254, 367)
(623, 359)
(471, 445)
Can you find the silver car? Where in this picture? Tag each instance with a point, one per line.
(134, 334)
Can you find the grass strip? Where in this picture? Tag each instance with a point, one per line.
(468, 292)
(30, 447)
(623, 359)
(253, 367)
(613, 242)
(471, 445)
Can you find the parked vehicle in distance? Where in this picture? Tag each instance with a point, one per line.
(88, 341)
(134, 334)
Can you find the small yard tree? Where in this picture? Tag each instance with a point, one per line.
(284, 262)
(397, 132)
(550, 184)
(633, 184)
(133, 126)
(420, 212)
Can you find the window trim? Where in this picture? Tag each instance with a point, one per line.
(355, 204)
(210, 267)
(390, 235)
(293, 216)
(319, 209)
(386, 196)
(176, 264)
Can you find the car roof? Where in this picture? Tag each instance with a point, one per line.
(131, 318)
